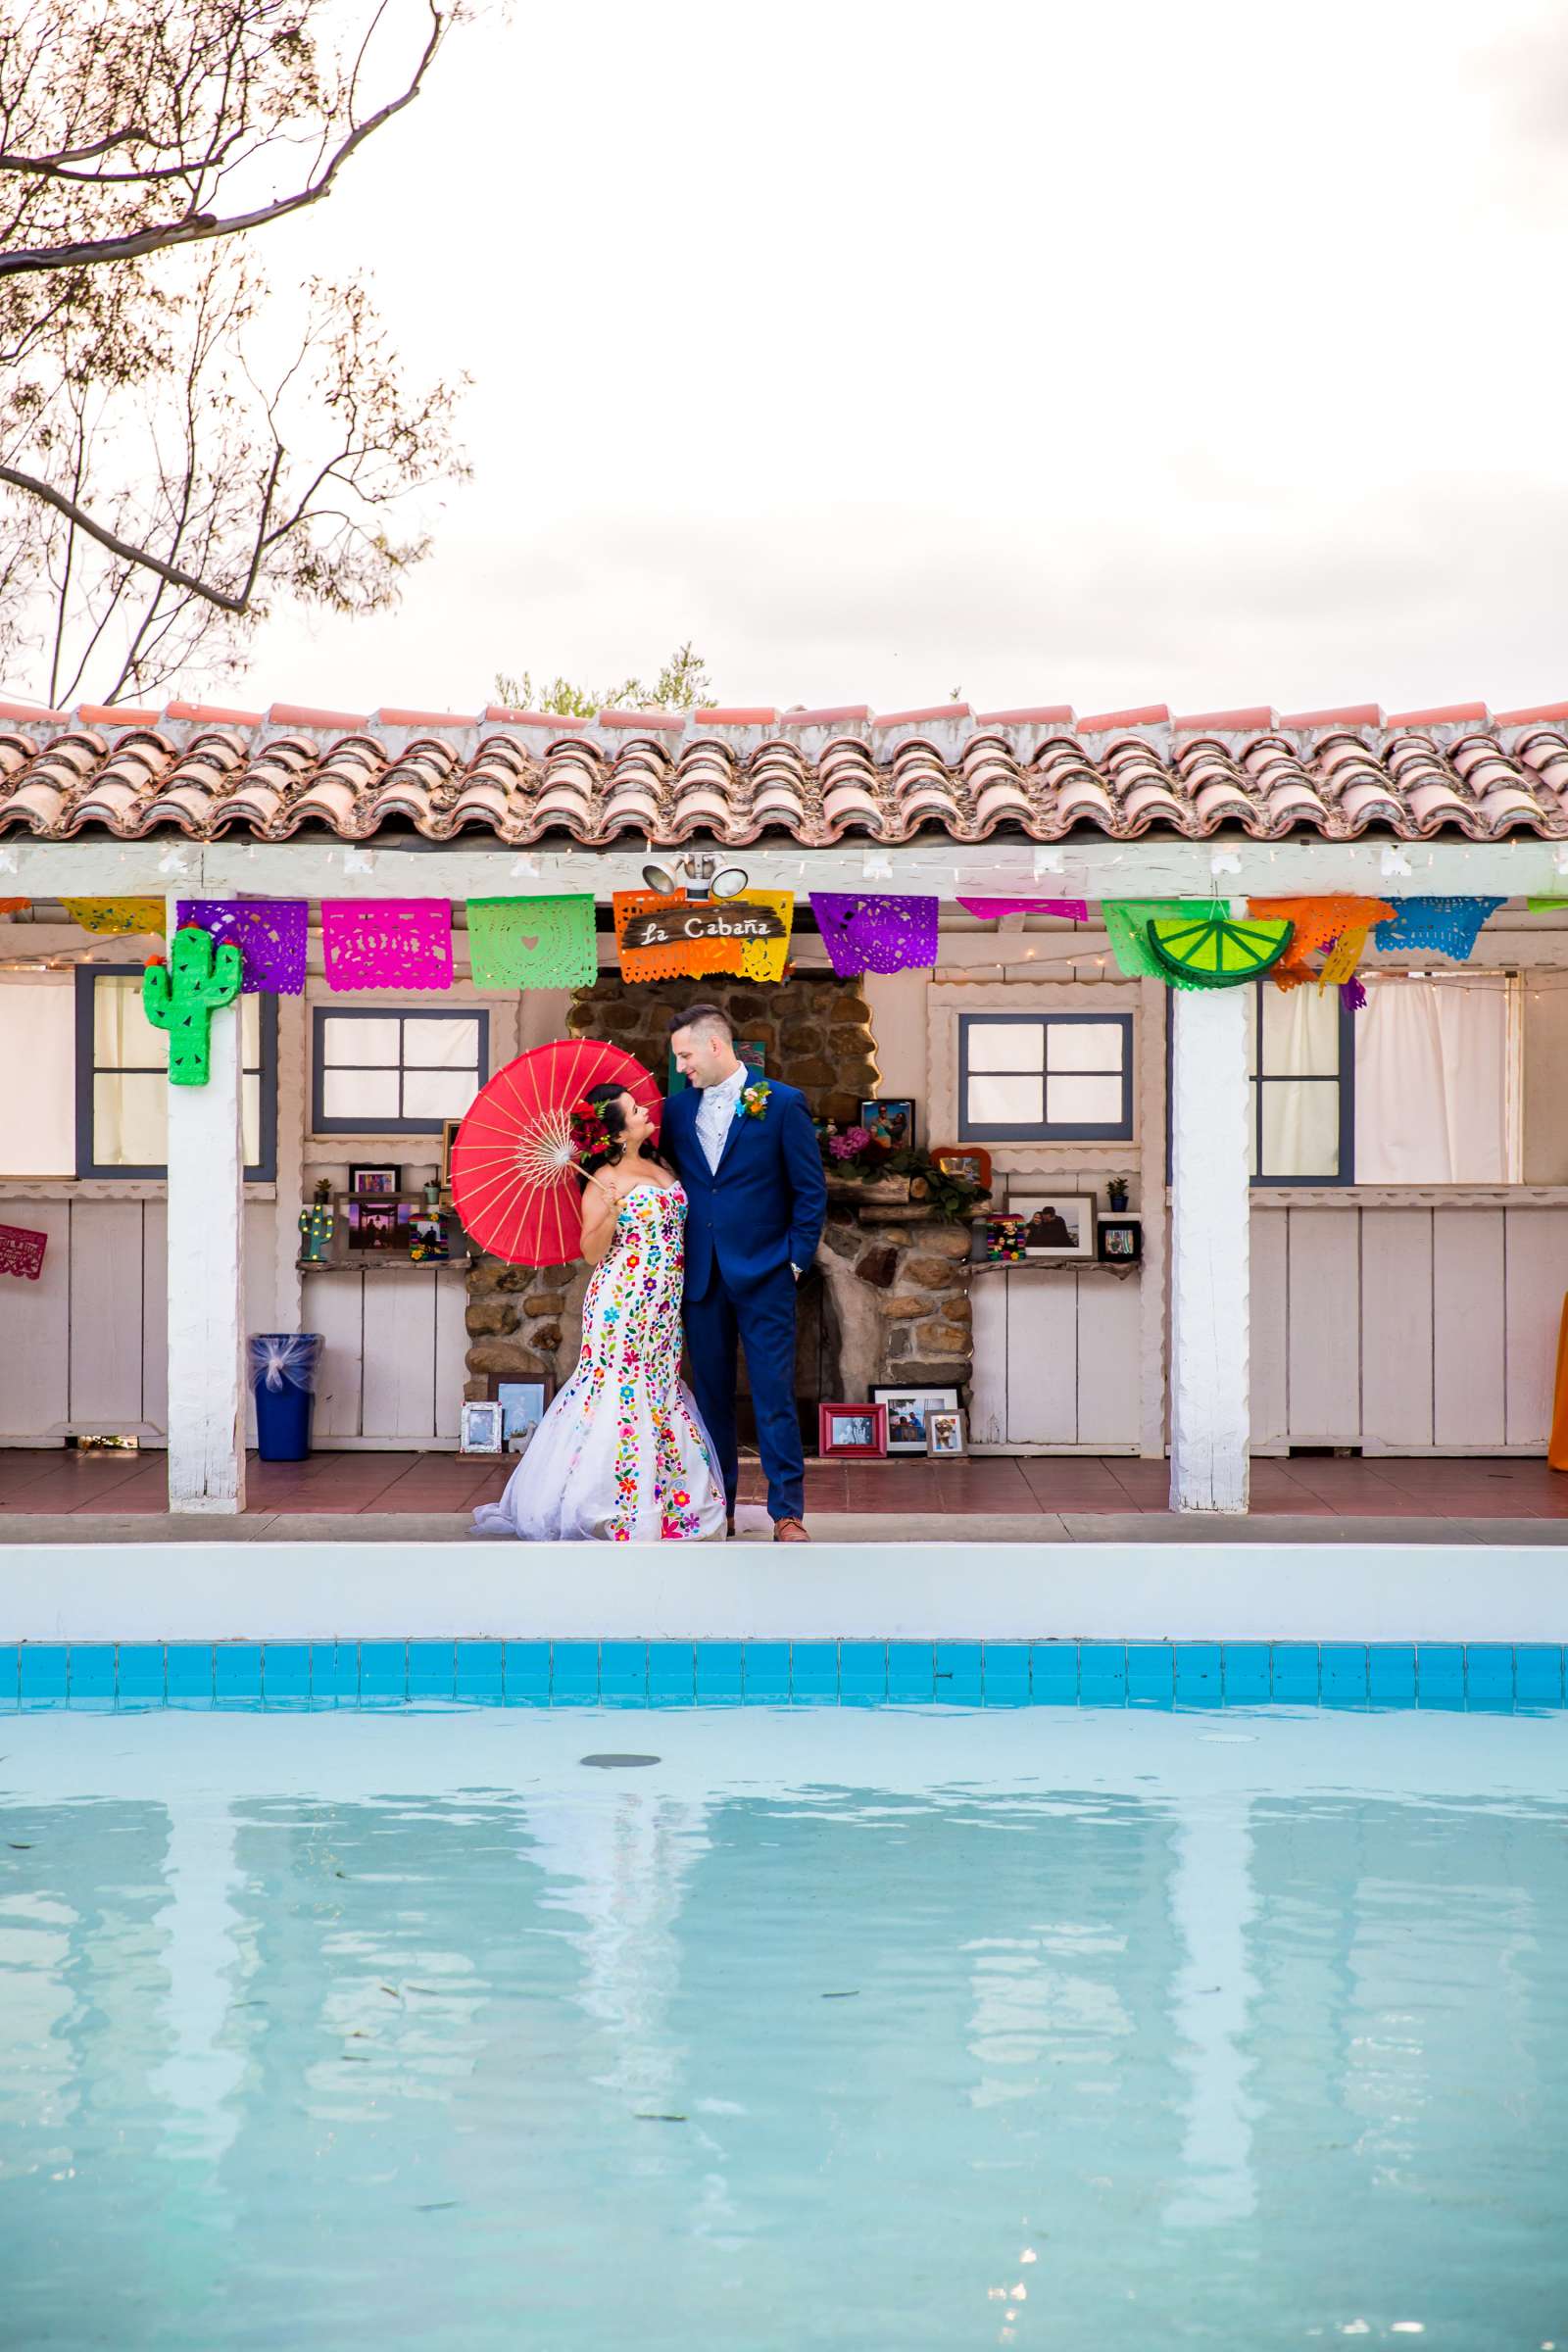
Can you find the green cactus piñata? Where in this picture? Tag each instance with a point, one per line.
(182, 994)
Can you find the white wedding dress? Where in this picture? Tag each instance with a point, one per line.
(621, 1455)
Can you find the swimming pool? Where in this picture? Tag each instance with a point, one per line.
(821, 2027)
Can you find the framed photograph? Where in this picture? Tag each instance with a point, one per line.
(1119, 1241)
(1055, 1224)
(522, 1408)
(381, 1183)
(964, 1159)
(891, 1122)
(429, 1244)
(1005, 1241)
(751, 1050)
(946, 1435)
(480, 1429)
(852, 1432)
(379, 1224)
(909, 1410)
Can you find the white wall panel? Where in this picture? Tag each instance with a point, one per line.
(106, 1316)
(451, 1352)
(334, 1307)
(1468, 1337)
(1536, 1276)
(1109, 1352)
(1042, 1359)
(1269, 1311)
(36, 1327)
(1397, 1326)
(155, 1315)
(1325, 1320)
(398, 1388)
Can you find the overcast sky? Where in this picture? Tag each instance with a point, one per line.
(1210, 353)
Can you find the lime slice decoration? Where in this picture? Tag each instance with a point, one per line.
(1212, 951)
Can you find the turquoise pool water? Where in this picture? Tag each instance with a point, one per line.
(874, 2029)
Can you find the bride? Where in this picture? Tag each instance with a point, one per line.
(620, 1455)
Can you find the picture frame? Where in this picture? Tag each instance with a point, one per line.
(479, 1428)
(852, 1432)
(1057, 1225)
(751, 1050)
(947, 1435)
(378, 1225)
(449, 1136)
(377, 1182)
(907, 1408)
(522, 1406)
(971, 1160)
(890, 1121)
(1119, 1241)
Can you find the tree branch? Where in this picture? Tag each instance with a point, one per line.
(197, 228)
(130, 554)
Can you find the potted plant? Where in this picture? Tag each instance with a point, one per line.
(859, 1163)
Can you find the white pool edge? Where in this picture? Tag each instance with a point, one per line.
(200, 1592)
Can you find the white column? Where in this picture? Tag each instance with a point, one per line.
(1210, 1207)
(206, 1280)
(1213, 1907)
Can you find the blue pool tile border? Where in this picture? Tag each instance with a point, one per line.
(1476, 1676)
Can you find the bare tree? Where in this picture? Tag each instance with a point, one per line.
(179, 447)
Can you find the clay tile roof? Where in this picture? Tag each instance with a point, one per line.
(751, 773)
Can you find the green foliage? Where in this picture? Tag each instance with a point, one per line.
(952, 1197)
(683, 684)
(183, 996)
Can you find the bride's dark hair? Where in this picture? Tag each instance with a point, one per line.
(609, 1110)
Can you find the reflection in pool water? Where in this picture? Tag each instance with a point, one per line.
(862, 2031)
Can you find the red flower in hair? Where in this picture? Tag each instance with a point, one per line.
(589, 1133)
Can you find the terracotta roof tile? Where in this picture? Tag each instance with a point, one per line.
(740, 774)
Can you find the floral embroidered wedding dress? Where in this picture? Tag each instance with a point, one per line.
(621, 1455)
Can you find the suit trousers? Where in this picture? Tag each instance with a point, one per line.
(762, 1320)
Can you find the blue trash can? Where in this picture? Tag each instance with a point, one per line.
(283, 1376)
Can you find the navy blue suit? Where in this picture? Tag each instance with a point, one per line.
(760, 1214)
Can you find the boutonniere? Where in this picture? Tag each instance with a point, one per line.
(752, 1102)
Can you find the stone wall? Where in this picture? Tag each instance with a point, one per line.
(816, 1029)
(894, 1301)
(899, 1283)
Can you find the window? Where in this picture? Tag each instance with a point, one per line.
(388, 1071)
(1301, 1052)
(123, 1082)
(1413, 1090)
(1053, 1077)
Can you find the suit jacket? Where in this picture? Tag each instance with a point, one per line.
(765, 1205)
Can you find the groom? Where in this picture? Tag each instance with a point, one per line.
(747, 1154)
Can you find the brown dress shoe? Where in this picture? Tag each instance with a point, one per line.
(790, 1531)
(729, 1527)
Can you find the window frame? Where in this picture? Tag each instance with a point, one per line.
(87, 976)
(321, 1014)
(1345, 1080)
(1064, 1131)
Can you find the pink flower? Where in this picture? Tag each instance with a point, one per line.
(854, 1139)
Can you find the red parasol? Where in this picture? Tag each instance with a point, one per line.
(512, 1161)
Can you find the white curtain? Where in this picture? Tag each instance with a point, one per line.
(1432, 1081)
(37, 1050)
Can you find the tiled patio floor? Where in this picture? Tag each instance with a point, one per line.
(59, 1483)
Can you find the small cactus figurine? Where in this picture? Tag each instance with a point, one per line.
(315, 1225)
(183, 996)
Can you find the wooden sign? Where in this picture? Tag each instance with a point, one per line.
(661, 936)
